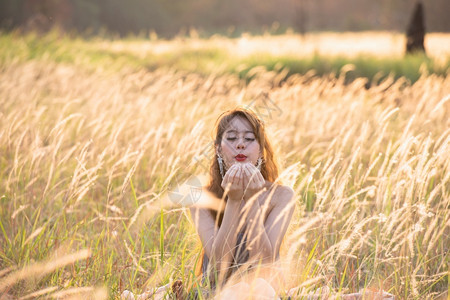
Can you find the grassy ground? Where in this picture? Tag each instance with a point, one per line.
(90, 142)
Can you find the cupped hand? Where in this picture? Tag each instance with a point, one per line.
(253, 181)
(233, 182)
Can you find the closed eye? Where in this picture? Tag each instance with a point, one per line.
(248, 139)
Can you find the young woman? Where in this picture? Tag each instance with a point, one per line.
(249, 228)
(246, 232)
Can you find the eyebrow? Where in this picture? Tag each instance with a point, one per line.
(232, 130)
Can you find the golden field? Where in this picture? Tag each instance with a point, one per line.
(88, 155)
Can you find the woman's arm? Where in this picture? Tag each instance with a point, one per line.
(258, 243)
(219, 244)
(279, 218)
(265, 235)
(224, 243)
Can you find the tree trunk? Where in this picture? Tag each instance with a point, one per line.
(415, 34)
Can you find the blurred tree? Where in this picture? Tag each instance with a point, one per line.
(133, 16)
(233, 12)
(86, 15)
(167, 17)
(437, 15)
(11, 13)
(415, 34)
(42, 15)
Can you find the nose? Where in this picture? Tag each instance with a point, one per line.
(240, 144)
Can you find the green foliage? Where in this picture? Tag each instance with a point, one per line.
(212, 59)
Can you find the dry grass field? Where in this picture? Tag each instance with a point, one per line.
(88, 155)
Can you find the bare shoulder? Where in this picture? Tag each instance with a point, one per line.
(283, 193)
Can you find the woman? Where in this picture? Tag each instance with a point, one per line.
(257, 208)
(246, 232)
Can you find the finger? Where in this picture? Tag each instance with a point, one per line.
(256, 177)
(231, 168)
(247, 176)
(227, 178)
(251, 178)
(229, 173)
(242, 176)
(227, 181)
(252, 167)
(260, 181)
(237, 175)
(233, 175)
(260, 177)
(253, 172)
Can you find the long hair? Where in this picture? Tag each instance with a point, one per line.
(269, 168)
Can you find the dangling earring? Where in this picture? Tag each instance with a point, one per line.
(220, 161)
(259, 163)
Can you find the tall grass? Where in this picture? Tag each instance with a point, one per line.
(87, 156)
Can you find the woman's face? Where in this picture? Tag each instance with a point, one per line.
(239, 144)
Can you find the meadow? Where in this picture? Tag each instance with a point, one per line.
(94, 132)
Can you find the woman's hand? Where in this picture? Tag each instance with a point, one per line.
(253, 181)
(233, 182)
(243, 181)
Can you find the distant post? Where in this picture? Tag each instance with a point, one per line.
(415, 34)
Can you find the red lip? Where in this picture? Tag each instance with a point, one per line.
(240, 157)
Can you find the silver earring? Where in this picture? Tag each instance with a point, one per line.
(259, 163)
(220, 161)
